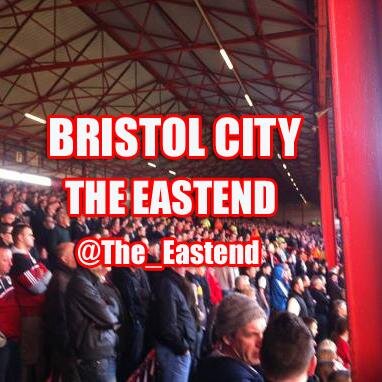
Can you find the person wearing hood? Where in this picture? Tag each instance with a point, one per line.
(279, 288)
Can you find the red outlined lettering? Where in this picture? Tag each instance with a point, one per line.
(107, 137)
(202, 197)
(250, 137)
(210, 253)
(290, 129)
(96, 197)
(91, 252)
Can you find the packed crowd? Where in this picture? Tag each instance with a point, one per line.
(284, 321)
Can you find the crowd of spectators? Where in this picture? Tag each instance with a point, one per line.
(283, 321)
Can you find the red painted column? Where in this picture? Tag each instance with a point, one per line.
(326, 192)
(355, 36)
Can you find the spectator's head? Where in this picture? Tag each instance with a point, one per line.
(62, 218)
(23, 237)
(250, 272)
(49, 223)
(340, 308)
(18, 209)
(8, 218)
(242, 283)
(6, 234)
(65, 253)
(297, 285)
(339, 376)
(266, 269)
(201, 271)
(327, 345)
(317, 283)
(239, 327)
(5, 261)
(333, 277)
(8, 198)
(312, 325)
(287, 353)
(306, 281)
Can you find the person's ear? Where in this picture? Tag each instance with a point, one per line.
(312, 366)
(227, 340)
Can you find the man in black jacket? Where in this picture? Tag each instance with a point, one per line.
(134, 287)
(92, 325)
(176, 330)
(60, 352)
(318, 293)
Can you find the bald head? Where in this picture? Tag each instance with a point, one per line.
(65, 254)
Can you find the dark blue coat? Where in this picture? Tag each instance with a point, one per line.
(226, 369)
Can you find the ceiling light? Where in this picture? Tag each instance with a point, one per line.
(172, 172)
(284, 165)
(151, 164)
(248, 100)
(23, 177)
(288, 173)
(226, 58)
(279, 156)
(34, 118)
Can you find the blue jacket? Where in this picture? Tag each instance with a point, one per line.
(226, 369)
(279, 290)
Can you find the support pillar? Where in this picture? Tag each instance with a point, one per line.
(355, 36)
(326, 192)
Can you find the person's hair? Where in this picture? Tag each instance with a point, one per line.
(337, 305)
(341, 326)
(62, 248)
(18, 229)
(234, 312)
(265, 265)
(339, 376)
(326, 355)
(4, 228)
(308, 321)
(327, 345)
(315, 279)
(295, 282)
(288, 347)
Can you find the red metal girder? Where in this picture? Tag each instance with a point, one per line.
(357, 95)
(19, 28)
(126, 44)
(322, 52)
(79, 54)
(236, 12)
(185, 40)
(326, 192)
(75, 3)
(129, 16)
(67, 87)
(326, 181)
(296, 12)
(25, 67)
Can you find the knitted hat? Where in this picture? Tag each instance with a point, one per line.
(234, 312)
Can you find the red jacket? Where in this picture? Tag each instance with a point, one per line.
(9, 309)
(343, 351)
(30, 279)
(215, 289)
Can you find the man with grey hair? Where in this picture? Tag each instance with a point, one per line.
(239, 327)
